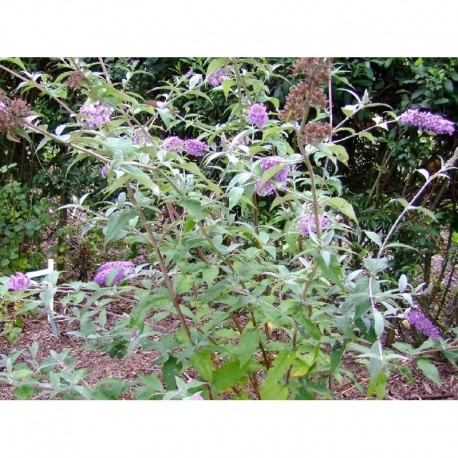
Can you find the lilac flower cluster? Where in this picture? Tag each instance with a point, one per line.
(18, 281)
(273, 161)
(279, 178)
(104, 171)
(418, 320)
(2, 106)
(258, 114)
(96, 114)
(307, 223)
(173, 144)
(425, 120)
(217, 77)
(195, 147)
(265, 189)
(195, 397)
(123, 269)
(141, 137)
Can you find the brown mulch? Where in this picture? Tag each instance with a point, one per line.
(98, 363)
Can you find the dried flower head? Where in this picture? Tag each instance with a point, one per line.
(418, 320)
(173, 144)
(122, 268)
(425, 120)
(13, 114)
(299, 96)
(18, 281)
(217, 77)
(306, 223)
(195, 147)
(316, 70)
(96, 114)
(315, 132)
(75, 80)
(258, 114)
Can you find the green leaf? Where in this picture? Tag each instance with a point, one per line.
(429, 370)
(141, 177)
(202, 363)
(376, 265)
(118, 222)
(24, 391)
(235, 195)
(379, 324)
(164, 113)
(227, 375)
(342, 206)
(374, 237)
(110, 389)
(171, 369)
(247, 346)
(194, 206)
(270, 388)
(209, 274)
(402, 283)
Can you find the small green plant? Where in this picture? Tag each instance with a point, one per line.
(23, 219)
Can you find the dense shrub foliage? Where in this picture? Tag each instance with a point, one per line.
(276, 200)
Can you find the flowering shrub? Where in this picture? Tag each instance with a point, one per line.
(96, 114)
(119, 269)
(268, 294)
(427, 121)
(18, 281)
(258, 114)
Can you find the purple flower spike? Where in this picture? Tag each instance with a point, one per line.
(424, 120)
(266, 189)
(173, 144)
(18, 281)
(306, 223)
(418, 320)
(195, 147)
(258, 114)
(217, 77)
(273, 161)
(123, 268)
(196, 397)
(96, 114)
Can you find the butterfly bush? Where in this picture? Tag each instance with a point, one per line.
(217, 77)
(173, 144)
(419, 321)
(195, 147)
(96, 114)
(123, 268)
(258, 114)
(18, 281)
(425, 120)
(306, 223)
